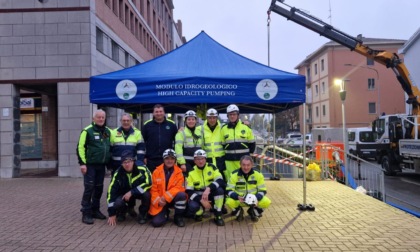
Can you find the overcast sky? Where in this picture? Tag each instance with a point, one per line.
(242, 25)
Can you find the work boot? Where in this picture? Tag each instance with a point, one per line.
(179, 221)
(219, 220)
(239, 213)
(121, 217)
(98, 215)
(198, 218)
(132, 212)
(253, 213)
(224, 210)
(87, 219)
(142, 219)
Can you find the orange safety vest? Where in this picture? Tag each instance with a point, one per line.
(158, 189)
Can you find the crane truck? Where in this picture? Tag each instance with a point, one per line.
(398, 144)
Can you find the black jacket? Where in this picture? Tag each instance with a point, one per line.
(158, 137)
(138, 181)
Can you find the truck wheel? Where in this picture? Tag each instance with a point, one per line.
(387, 167)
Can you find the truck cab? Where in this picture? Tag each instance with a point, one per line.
(365, 136)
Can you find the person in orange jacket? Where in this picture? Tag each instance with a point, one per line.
(167, 191)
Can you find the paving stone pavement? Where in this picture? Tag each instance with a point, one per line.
(42, 214)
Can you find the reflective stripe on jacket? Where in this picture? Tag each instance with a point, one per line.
(198, 179)
(138, 182)
(238, 140)
(242, 184)
(94, 145)
(159, 189)
(133, 142)
(186, 144)
(212, 140)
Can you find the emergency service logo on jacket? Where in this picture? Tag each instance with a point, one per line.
(266, 89)
(126, 90)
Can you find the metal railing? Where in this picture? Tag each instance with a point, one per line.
(287, 164)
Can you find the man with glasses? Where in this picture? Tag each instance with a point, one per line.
(129, 182)
(127, 137)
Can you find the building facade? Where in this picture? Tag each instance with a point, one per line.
(48, 51)
(371, 88)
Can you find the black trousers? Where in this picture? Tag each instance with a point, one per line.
(179, 203)
(93, 182)
(121, 205)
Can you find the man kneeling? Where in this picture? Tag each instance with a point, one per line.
(128, 183)
(205, 189)
(243, 183)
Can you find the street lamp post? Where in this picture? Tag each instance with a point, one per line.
(377, 83)
(341, 83)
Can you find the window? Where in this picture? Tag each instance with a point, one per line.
(107, 2)
(99, 40)
(316, 90)
(324, 111)
(127, 17)
(323, 87)
(115, 51)
(115, 7)
(322, 65)
(121, 10)
(372, 107)
(370, 62)
(352, 136)
(371, 84)
(316, 68)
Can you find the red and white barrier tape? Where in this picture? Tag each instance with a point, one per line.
(282, 161)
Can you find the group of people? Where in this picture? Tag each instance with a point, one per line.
(190, 170)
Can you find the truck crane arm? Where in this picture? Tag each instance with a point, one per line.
(388, 59)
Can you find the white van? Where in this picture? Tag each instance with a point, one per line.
(363, 136)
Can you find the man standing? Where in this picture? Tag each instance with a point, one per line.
(159, 135)
(93, 152)
(237, 140)
(167, 191)
(129, 182)
(126, 137)
(212, 144)
(243, 183)
(205, 189)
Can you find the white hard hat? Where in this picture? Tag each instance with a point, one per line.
(212, 112)
(232, 108)
(190, 113)
(169, 153)
(251, 199)
(200, 153)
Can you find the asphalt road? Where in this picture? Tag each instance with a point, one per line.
(404, 190)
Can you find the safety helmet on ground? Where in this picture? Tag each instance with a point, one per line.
(190, 113)
(200, 153)
(212, 112)
(232, 108)
(251, 199)
(169, 153)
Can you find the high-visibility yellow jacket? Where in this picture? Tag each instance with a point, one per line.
(240, 184)
(237, 140)
(186, 143)
(133, 141)
(200, 178)
(212, 140)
